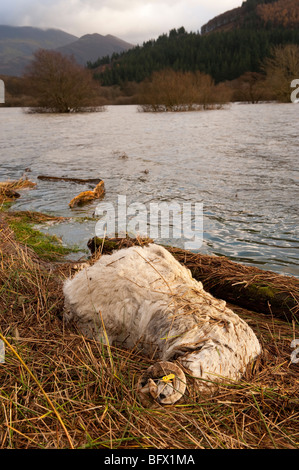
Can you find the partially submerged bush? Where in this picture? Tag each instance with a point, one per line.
(168, 90)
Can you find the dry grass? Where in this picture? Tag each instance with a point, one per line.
(8, 189)
(248, 286)
(59, 390)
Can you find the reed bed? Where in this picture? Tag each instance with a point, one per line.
(60, 390)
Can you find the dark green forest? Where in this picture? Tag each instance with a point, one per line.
(225, 55)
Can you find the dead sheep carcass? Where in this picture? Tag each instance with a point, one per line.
(143, 296)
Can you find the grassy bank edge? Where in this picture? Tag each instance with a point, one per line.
(47, 247)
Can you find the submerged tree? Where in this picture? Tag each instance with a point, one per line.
(61, 85)
(281, 69)
(251, 87)
(170, 90)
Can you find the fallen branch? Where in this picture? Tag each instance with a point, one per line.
(72, 180)
(86, 197)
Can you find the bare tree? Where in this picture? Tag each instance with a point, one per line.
(281, 69)
(59, 84)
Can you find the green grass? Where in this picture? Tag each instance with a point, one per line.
(48, 247)
(4, 206)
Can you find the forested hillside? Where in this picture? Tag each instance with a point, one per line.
(223, 55)
(259, 25)
(282, 13)
(256, 14)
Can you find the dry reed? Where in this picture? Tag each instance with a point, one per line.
(8, 189)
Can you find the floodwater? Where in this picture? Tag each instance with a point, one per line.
(241, 163)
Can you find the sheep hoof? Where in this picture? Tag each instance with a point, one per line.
(163, 382)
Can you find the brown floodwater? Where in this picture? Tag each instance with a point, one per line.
(240, 162)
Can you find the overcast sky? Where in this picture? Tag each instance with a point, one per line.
(134, 21)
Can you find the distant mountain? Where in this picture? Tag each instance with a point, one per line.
(92, 46)
(45, 37)
(17, 45)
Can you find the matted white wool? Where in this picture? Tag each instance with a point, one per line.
(143, 296)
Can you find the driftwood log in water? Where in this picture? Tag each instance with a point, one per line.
(86, 197)
(72, 180)
(246, 286)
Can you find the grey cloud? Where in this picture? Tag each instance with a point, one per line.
(132, 20)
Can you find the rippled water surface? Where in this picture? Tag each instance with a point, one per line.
(241, 163)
